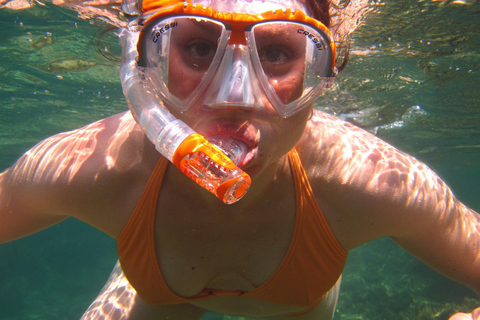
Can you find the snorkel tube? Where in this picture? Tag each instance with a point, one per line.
(195, 156)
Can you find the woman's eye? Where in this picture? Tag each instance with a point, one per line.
(201, 50)
(274, 54)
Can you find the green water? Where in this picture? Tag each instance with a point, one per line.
(413, 78)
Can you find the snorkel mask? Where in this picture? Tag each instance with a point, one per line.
(178, 54)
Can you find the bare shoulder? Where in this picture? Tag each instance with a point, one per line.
(86, 172)
(350, 154)
(367, 188)
(69, 156)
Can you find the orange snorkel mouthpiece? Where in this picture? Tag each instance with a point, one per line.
(208, 166)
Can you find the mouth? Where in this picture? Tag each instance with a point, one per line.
(234, 148)
(239, 142)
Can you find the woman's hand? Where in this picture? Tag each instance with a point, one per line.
(475, 315)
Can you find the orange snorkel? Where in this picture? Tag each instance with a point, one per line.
(197, 158)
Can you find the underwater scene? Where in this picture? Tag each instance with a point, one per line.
(413, 79)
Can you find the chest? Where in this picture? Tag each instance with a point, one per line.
(201, 248)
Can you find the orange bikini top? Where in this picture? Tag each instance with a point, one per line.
(310, 268)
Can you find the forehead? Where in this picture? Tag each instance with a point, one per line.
(252, 6)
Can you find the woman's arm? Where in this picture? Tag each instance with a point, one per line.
(90, 174)
(43, 187)
(424, 217)
(369, 189)
(26, 203)
(22, 212)
(446, 236)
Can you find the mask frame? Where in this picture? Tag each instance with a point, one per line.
(238, 26)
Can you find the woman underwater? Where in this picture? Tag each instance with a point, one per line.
(245, 76)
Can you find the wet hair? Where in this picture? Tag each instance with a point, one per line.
(104, 44)
(320, 10)
(342, 18)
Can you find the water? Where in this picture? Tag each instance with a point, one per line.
(412, 78)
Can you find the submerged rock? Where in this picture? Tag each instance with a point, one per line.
(65, 65)
(42, 42)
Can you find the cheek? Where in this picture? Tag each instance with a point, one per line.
(182, 79)
(290, 86)
(288, 89)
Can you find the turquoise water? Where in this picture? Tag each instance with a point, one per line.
(413, 79)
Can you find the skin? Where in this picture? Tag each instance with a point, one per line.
(475, 315)
(97, 173)
(366, 188)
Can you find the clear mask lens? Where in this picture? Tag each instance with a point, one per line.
(296, 61)
(189, 57)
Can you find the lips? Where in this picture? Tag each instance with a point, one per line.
(244, 132)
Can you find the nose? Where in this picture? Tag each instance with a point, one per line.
(239, 89)
(235, 82)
